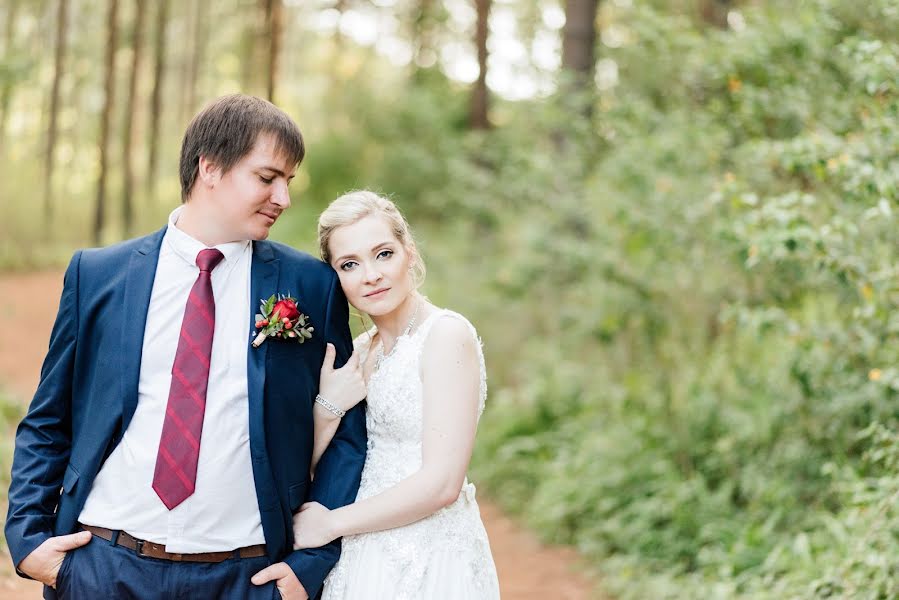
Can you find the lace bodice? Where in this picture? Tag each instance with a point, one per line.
(413, 558)
(394, 412)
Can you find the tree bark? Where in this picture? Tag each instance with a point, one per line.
(58, 69)
(191, 67)
(136, 55)
(274, 13)
(479, 118)
(579, 39)
(9, 44)
(578, 47)
(106, 120)
(156, 99)
(714, 12)
(198, 56)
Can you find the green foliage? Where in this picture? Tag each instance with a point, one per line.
(689, 303)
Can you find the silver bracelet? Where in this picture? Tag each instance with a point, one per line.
(330, 407)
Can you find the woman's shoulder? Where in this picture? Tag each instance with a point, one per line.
(445, 327)
(362, 342)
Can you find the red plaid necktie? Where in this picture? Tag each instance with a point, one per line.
(179, 447)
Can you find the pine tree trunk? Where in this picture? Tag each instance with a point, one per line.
(479, 118)
(106, 121)
(714, 12)
(58, 69)
(136, 55)
(275, 21)
(9, 43)
(579, 39)
(578, 47)
(197, 57)
(156, 99)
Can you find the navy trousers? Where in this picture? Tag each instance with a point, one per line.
(102, 571)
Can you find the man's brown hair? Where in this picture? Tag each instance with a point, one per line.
(226, 130)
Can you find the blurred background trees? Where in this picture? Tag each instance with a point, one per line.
(673, 222)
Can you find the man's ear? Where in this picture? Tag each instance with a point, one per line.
(208, 172)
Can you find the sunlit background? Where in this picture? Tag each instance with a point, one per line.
(672, 221)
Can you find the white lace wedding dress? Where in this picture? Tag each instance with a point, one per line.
(445, 556)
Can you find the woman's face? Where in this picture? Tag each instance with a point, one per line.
(373, 266)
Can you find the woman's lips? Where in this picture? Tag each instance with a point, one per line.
(377, 293)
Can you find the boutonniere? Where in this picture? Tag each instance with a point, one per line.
(279, 317)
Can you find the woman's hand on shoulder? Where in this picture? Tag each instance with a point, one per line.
(343, 387)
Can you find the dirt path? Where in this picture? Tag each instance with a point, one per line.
(527, 569)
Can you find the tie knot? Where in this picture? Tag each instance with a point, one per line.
(207, 259)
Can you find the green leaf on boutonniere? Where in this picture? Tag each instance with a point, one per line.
(268, 305)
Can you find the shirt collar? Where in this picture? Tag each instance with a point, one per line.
(187, 247)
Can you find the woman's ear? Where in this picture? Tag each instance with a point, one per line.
(413, 255)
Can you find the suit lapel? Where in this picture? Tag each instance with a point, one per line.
(264, 276)
(138, 287)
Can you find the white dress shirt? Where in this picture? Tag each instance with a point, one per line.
(222, 513)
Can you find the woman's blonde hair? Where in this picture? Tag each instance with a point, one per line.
(355, 206)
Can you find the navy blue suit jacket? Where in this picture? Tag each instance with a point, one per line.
(88, 394)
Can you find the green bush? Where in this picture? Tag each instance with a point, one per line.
(690, 307)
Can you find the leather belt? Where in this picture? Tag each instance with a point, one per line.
(154, 550)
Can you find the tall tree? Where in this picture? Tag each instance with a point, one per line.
(274, 18)
(192, 71)
(131, 117)
(58, 69)
(714, 12)
(106, 119)
(480, 98)
(156, 98)
(9, 46)
(578, 45)
(253, 46)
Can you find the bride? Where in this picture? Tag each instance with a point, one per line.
(415, 529)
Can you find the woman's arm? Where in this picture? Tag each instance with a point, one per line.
(343, 388)
(451, 387)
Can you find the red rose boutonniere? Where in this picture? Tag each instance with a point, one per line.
(279, 317)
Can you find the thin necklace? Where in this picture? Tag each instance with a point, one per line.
(381, 357)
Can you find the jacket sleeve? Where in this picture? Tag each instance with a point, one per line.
(339, 470)
(43, 438)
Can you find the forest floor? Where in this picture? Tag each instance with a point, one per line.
(527, 568)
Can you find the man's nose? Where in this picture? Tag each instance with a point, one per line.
(281, 195)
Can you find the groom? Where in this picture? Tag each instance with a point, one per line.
(163, 455)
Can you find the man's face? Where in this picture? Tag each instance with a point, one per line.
(253, 194)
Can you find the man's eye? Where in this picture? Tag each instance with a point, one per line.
(347, 265)
(266, 180)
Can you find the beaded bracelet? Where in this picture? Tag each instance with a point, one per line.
(330, 407)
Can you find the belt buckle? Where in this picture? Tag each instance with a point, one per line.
(139, 547)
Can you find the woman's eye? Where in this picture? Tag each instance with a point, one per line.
(385, 253)
(348, 265)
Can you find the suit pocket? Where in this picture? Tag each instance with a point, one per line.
(70, 480)
(296, 494)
